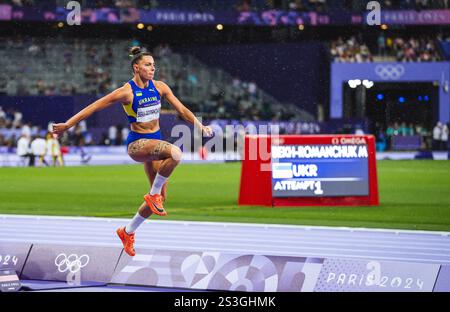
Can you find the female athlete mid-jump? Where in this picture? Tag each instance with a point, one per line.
(141, 100)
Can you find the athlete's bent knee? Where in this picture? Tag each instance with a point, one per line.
(176, 154)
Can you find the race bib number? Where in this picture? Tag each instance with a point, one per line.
(149, 113)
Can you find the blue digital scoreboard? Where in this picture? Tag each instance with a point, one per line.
(320, 170)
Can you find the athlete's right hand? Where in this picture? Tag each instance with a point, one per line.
(207, 131)
(60, 128)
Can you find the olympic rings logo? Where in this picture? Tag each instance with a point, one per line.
(390, 72)
(71, 263)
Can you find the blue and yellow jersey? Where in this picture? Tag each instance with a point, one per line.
(146, 105)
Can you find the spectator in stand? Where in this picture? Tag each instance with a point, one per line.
(125, 132)
(65, 89)
(243, 6)
(390, 132)
(404, 50)
(39, 149)
(40, 86)
(350, 51)
(26, 130)
(17, 121)
(68, 63)
(2, 113)
(9, 134)
(78, 136)
(403, 130)
(444, 137)
(112, 135)
(119, 138)
(359, 130)
(3, 85)
(437, 134)
(23, 150)
(415, 50)
(410, 130)
(252, 90)
(50, 90)
(54, 150)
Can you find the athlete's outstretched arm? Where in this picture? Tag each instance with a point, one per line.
(182, 110)
(118, 95)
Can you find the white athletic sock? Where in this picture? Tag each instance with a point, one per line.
(158, 184)
(134, 224)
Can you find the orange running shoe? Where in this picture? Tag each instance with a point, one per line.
(127, 241)
(155, 203)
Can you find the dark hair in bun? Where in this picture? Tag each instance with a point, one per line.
(136, 54)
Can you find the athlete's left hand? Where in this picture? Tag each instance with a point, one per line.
(207, 131)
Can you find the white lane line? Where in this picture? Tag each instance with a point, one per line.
(347, 251)
(17, 230)
(226, 224)
(265, 253)
(207, 231)
(147, 235)
(200, 226)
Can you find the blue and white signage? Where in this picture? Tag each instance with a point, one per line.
(320, 170)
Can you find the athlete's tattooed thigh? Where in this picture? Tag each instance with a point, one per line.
(159, 148)
(136, 146)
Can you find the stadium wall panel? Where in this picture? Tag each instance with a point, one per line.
(204, 270)
(64, 262)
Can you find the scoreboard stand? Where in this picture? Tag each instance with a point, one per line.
(310, 170)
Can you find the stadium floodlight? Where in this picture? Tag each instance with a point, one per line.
(368, 84)
(354, 83)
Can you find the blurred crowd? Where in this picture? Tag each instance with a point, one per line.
(435, 139)
(116, 135)
(352, 50)
(37, 146)
(33, 144)
(400, 49)
(96, 72)
(242, 5)
(16, 133)
(415, 4)
(93, 76)
(13, 126)
(244, 104)
(440, 136)
(408, 49)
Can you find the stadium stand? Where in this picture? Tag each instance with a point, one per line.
(85, 69)
(242, 5)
